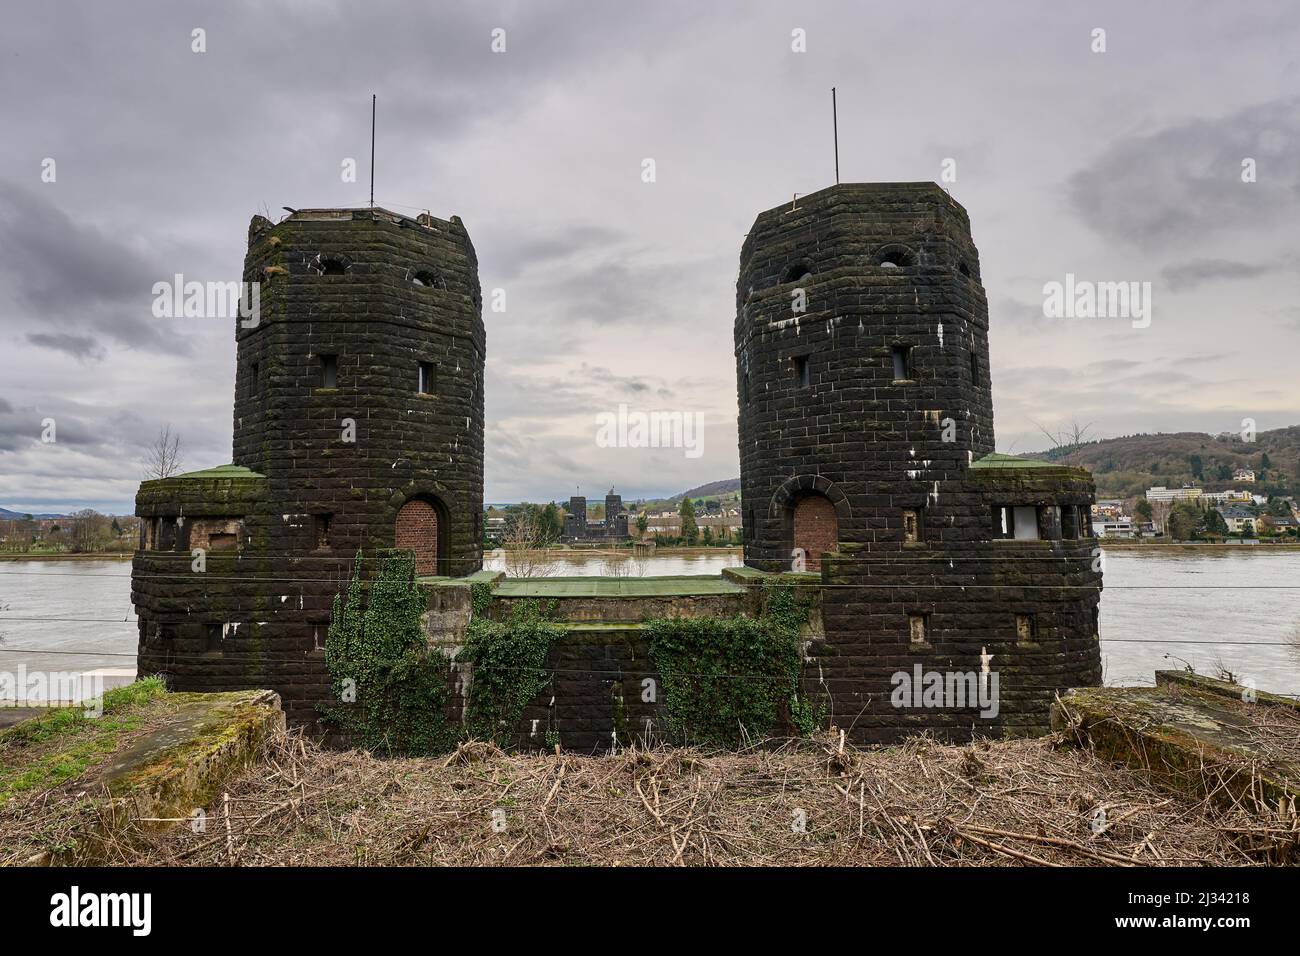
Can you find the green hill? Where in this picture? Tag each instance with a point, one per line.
(1123, 467)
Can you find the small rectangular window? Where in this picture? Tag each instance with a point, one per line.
(321, 529)
(911, 526)
(1026, 628)
(424, 379)
(974, 368)
(902, 362)
(329, 371)
(802, 374)
(1026, 523)
(917, 628)
(255, 377)
(1069, 522)
(216, 633)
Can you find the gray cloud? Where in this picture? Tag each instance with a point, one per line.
(1125, 166)
(81, 347)
(59, 269)
(1198, 272)
(1184, 181)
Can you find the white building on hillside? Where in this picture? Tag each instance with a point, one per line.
(1161, 493)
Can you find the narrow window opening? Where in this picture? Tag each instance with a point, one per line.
(912, 530)
(1069, 522)
(974, 367)
(802, 373)
(1026, 628)
(963, 268)
(424, 379)
(902, 362)
(255, 373)
(918, 628)
(329, 371)
(216, 633)
(331, 267)
(428, 279)
(321, 529)
(744, 388)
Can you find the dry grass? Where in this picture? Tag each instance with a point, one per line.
(1022, 802)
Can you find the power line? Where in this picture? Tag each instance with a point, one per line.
(983, 640)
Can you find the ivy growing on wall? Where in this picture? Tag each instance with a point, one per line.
(731, 679)
(392, 689)
(509, 666)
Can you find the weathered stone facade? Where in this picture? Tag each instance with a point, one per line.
(866, 450)
(865, 404)
(358, 423)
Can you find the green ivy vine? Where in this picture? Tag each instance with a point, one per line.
(729, 679)
(393, 690)
(509, 667)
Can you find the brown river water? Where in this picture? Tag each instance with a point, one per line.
(1237, 609)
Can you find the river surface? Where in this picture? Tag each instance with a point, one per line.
(1239, 610)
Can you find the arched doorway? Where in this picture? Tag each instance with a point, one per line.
(815, 528)
(418, 529)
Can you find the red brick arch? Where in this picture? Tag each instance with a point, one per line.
(416, 530)
(815, 528)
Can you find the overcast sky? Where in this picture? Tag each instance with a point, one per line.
(1117, 166)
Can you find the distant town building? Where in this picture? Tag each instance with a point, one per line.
(1119, 526)
(1280, 524)
(1223, 497)
(1161, 493)
(1243, 474)
(1238, 519)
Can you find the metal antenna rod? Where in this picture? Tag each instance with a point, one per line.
(835, 122)
(372, 151)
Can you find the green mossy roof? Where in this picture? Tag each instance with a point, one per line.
(591, 587)
(221, 471)
(1011, 461)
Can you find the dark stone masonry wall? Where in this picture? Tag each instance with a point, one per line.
(876, 399)
(381, 294)
(358, 390)
(596, 698)
(866, 450)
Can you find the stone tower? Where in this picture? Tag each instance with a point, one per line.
(866, 439)
(360, 392)
(358, 423)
